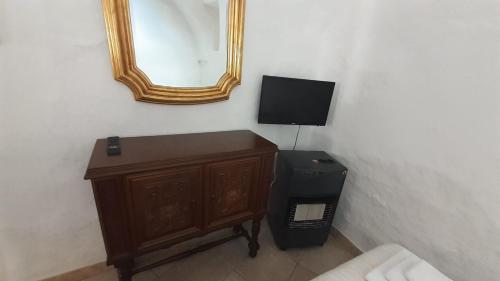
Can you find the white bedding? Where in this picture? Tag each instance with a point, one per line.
(378, 274)
(425, 271)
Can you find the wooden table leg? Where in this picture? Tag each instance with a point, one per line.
(253, 245)
(125, 270)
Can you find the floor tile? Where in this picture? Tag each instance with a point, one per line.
(302, 274)
(325, 258)
(271, 264)
(111, 275)
(206, 266)
(266, 268)
(233, 276)
(230, 261)
(145, 276)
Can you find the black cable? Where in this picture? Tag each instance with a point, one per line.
(296, 138)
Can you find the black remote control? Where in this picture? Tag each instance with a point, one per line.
(113, 148)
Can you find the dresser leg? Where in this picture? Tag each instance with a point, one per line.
(253, 245)
(125, 270)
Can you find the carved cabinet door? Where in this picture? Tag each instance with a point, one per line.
(165, 206)
(231, 191)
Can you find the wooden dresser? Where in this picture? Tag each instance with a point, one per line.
(164, 190)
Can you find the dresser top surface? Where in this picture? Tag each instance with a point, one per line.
(139, 151)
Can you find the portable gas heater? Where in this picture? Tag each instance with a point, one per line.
(304, 198)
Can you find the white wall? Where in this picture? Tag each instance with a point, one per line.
(57, 95)
(417, 122)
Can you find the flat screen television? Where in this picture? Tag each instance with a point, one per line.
(294, 101)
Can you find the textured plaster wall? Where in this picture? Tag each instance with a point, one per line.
(417, 122)
(57, 95)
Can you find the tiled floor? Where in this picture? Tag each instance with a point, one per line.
(230, 262)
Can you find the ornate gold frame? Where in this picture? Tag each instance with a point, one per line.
(118, 26)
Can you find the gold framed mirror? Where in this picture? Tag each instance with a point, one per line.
(176, 51)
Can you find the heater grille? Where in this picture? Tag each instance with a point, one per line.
(328, 214)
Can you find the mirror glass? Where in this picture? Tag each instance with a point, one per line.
(180, 43)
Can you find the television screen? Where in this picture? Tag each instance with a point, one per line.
(294, 101)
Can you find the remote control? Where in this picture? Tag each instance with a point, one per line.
(113, 148)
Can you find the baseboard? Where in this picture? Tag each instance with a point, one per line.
(80, 274)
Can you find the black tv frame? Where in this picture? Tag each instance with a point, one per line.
(283, 120)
